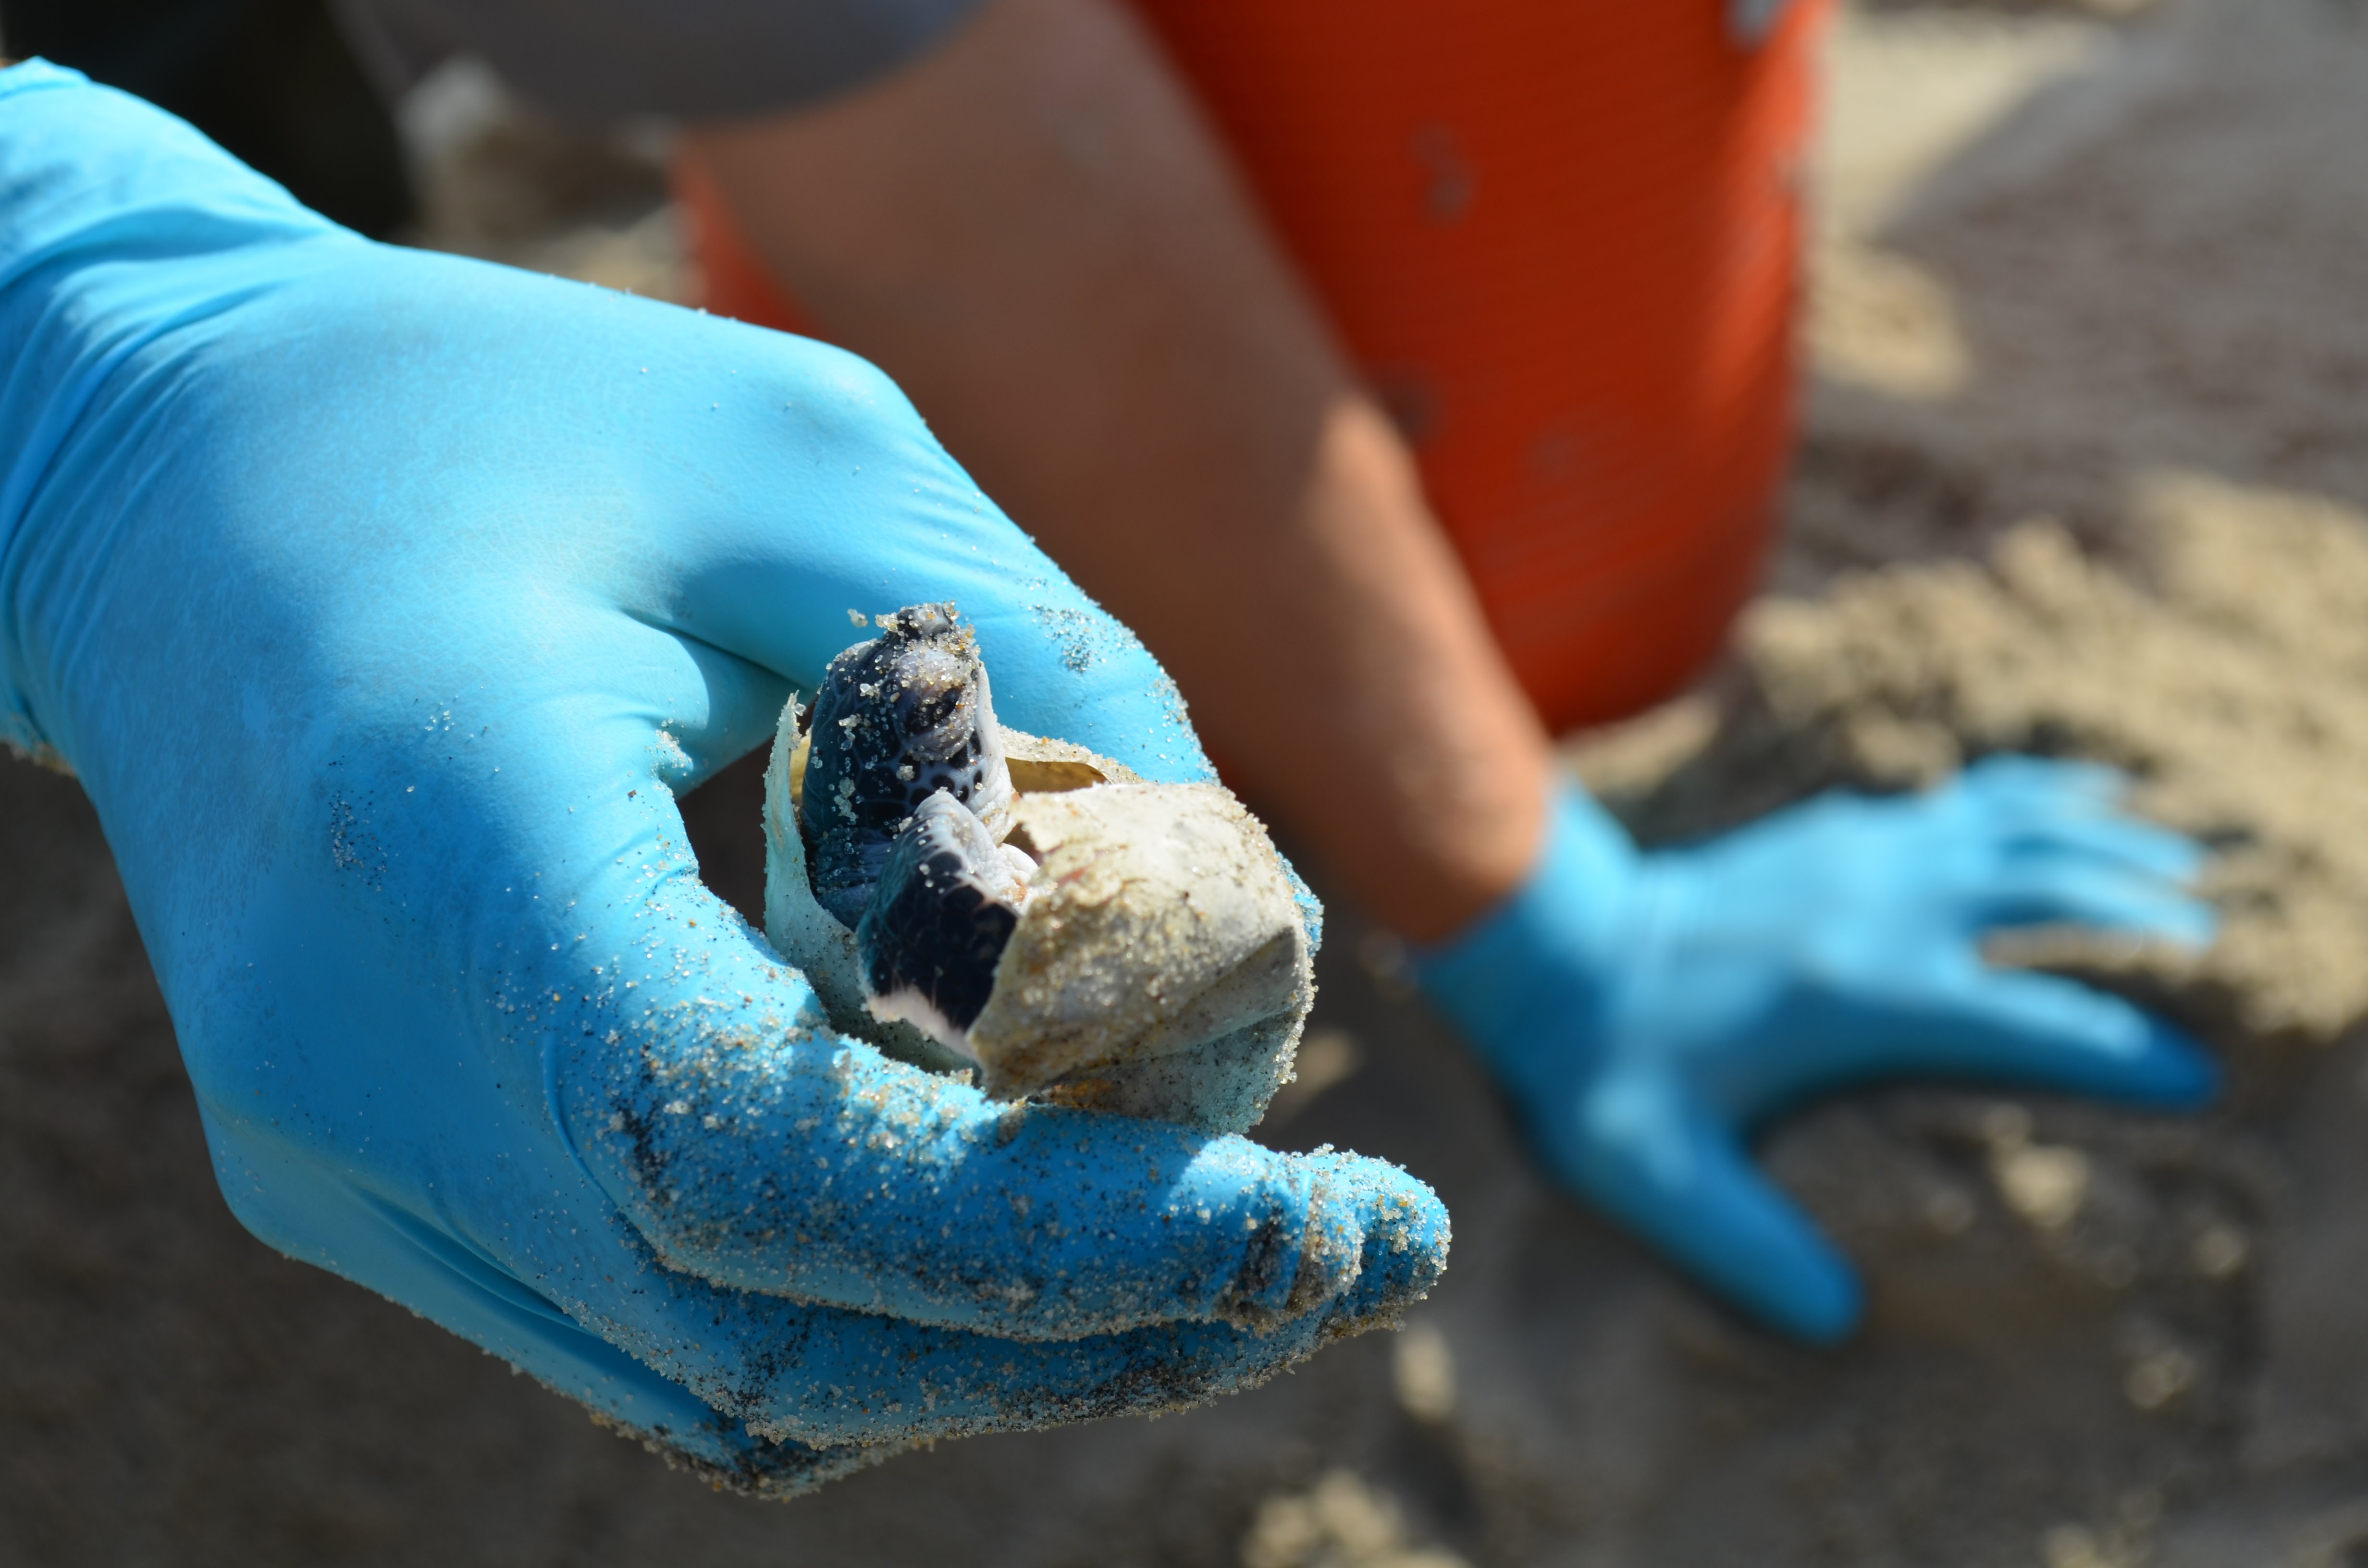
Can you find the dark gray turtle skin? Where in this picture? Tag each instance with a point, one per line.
(945, 908)
(897, 720)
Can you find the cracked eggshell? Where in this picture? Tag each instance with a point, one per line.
(1162, 970)
(1161, 967)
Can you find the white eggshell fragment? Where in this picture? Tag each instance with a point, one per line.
(1160, 928)
(1161, 967)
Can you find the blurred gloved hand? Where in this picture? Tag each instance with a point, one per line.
(383, 602)
(1646, 1011)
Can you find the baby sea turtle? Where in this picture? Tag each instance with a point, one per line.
(961, 893)
(907, 797)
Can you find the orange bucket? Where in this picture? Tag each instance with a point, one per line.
(1561, 238)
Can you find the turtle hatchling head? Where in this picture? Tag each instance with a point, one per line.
(897, 718)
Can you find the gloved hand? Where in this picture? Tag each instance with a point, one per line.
(383, 602)
(1646, 1011)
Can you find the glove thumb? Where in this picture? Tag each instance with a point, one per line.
(1688, 1185)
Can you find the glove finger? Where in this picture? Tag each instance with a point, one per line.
(824, 1377)
(2113, 840)
(2009, 776)
(818, 1168)
(827, 1377)
(1637, 1152)
(2045, 1031)
(2069, 893)
(1405, 1240)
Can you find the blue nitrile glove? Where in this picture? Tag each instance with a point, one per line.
(1644, 1013)
(383, 601)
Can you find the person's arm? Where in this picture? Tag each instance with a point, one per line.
(1034, 233)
